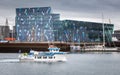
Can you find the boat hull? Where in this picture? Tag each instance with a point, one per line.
(42, 60)
(58, 58)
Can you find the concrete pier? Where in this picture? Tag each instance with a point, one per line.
(26, 47)
(12, 47)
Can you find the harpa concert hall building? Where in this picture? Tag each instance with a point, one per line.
(40, 25)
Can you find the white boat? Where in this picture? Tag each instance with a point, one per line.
(54, 55)
(100, 47)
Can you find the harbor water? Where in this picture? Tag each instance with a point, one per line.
(77, 64)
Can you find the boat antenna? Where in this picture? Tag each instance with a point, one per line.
(103, 30)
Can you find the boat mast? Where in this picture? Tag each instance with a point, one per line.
(103, 30)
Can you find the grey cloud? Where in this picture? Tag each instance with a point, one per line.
(81, 7)
(66, 5)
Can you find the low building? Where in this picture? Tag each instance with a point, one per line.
(117, 34)
(12, 33)
(4, 32)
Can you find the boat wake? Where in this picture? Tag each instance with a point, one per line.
(9, 60)
(18, 61)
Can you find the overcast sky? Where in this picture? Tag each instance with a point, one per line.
(83, 10)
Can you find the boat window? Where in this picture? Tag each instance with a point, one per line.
(39, 57)
(35, 57)
(44, 57)
(54, 57)
(50, 57)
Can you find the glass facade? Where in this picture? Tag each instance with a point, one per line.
(35, 24)
(81, 31)
(39, 24)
